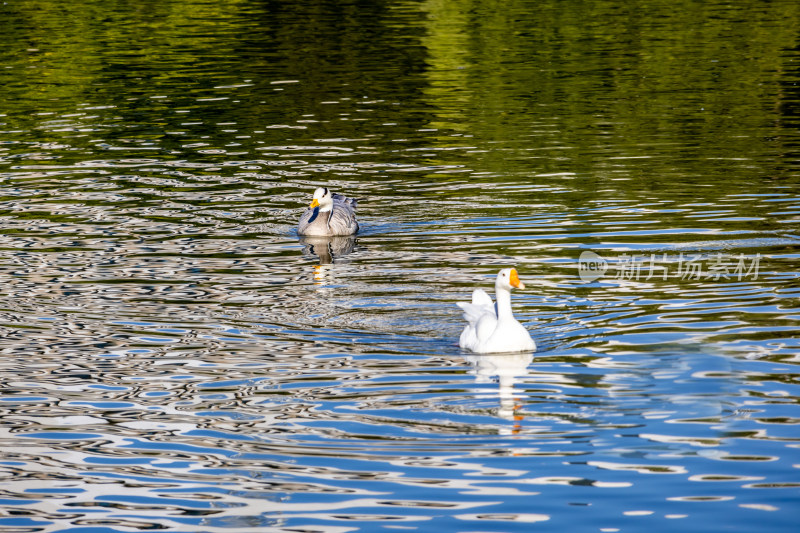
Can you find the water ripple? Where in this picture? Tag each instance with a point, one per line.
(175, 357)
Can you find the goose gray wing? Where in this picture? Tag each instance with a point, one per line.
(352, 202)
(343, 216)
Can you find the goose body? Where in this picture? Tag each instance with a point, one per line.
(492, 328)
(329, 214)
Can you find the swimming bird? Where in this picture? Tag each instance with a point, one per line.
(329, 214)
(492, 328)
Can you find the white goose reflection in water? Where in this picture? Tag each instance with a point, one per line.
(507, 368)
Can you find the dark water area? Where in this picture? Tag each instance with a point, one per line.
(173, 356)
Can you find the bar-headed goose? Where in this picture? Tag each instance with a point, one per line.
(329, 214)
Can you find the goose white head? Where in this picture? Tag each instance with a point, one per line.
(323, 198)
(508, 279)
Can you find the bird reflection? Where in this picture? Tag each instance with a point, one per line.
(328, 249)
(507, 368)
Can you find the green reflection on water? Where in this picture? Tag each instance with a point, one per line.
(668, 101)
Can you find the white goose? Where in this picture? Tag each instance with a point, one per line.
(329, 215)
(493, 329)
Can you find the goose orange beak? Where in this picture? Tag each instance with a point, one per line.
(515, 282)
(314, 203)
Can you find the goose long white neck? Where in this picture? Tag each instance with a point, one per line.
(503, 296)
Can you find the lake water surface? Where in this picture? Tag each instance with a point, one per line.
(173, 357)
